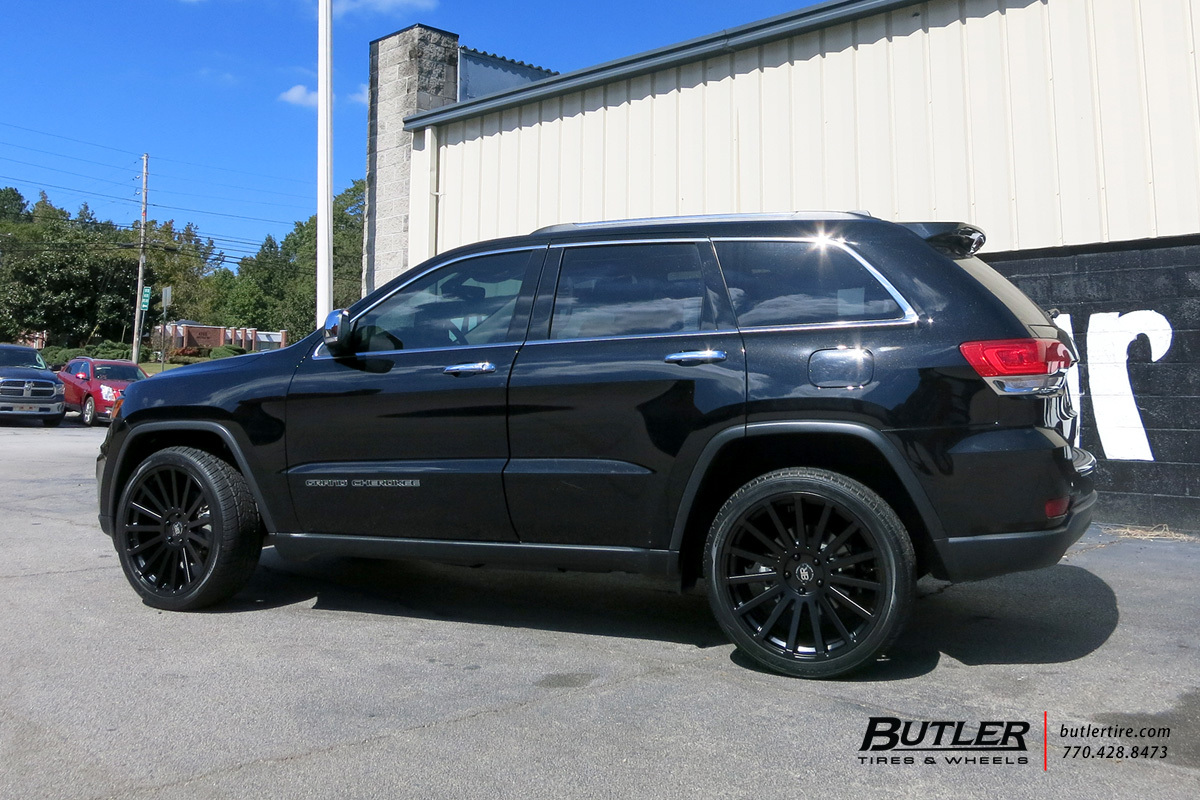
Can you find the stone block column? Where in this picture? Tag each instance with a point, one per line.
(412, 70)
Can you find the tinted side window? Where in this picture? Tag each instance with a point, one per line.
(801, 283)
(627, 290)
(468, 302)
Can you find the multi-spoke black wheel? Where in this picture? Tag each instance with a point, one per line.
(187, 530)
(809, 572)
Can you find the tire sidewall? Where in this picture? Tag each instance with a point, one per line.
(895, 554)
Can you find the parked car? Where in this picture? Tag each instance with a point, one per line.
(93, 385)
(807, 411)
(27, 386)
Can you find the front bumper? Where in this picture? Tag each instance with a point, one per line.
(31, 408)
(972, 558)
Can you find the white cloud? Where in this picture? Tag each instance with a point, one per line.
(217, 76)
(300, 95)
(342, 7)
(363, 95)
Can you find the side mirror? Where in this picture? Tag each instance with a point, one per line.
(81, 375)
(337, 332)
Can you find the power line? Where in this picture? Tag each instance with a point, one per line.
(157, 158)
(227, 199)
(64, 155)
(227, 169)
(218, 239)
(65, 172)
(159, 174)
(158, 191)
(152, 205)
(68, 138)
(69, 189)
(233, 186)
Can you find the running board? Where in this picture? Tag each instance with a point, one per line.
(642, 561)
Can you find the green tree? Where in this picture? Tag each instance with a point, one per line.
(13, 208)
(276, 288)
(71, 278)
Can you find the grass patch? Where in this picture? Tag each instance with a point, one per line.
(153, 367)
(1162, 532)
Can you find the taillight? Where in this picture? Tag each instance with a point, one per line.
(1057, 507)
(1020, 366)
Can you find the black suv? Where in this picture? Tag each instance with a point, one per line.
(806, 411)
(28, 388)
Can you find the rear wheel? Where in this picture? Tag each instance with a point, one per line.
(809, 572)
(187, 530)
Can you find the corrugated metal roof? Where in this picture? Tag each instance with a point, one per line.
(507, 60)
(821, 15)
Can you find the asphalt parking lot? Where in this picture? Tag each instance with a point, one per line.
(362, 679)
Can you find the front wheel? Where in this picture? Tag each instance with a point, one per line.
(89, 412)
(809, 572)
(187, 531)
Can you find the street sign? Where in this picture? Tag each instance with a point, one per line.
(145, 298)
(166, 298)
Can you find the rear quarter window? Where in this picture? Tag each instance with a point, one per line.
(801, 283)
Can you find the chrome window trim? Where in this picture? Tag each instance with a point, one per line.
(321, 352)
(721, 331)
(910, 315)
(651, 240)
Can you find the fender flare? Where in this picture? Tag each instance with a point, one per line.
(873, 436)
(209, 426)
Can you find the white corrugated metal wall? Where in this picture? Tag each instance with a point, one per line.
(1047, 122)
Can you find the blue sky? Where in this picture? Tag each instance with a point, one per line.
(221, 93)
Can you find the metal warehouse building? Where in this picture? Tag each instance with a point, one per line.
(1069, 130)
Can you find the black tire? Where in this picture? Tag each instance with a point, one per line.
(817, 605)
(88, 414)
(52, 422)
(187, 530)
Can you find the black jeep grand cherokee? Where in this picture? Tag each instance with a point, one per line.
(808, 411)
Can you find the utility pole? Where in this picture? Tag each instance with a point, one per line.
(324, 161)
(137, 300)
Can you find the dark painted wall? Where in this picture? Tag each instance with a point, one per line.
(1135, 314)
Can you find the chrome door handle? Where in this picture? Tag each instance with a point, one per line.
(691, 358)
(478, 368)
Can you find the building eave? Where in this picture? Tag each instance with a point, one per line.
(783, 26)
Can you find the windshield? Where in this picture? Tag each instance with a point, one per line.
(21, 357)
(118, 372)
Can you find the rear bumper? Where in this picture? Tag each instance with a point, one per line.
(972, 558)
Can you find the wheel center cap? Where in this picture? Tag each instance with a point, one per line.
(802, 573)
(175, 532)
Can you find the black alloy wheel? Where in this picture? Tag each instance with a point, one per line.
(89, 411)
(809, 572)
(188, 532)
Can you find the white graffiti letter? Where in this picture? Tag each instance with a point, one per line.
(1118, 420)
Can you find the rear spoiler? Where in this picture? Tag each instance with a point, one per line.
(955, 239)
